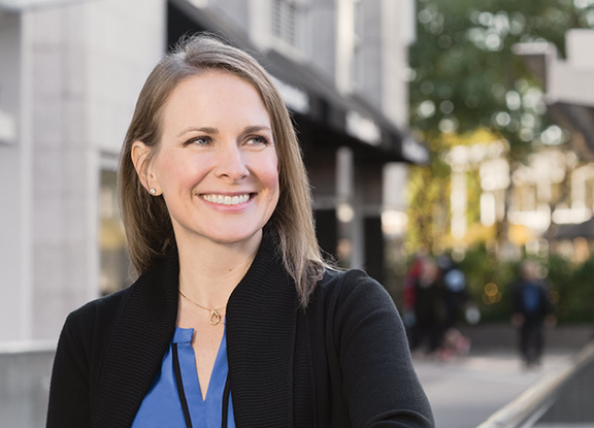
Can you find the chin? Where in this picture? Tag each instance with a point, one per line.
(229, 237)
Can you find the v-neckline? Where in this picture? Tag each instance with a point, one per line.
(219, 370)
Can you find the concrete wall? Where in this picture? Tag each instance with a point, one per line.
(124, 41)
(579, 48)
(24, 388)
(368, 64)
(74, 71)
(70, 73)
(62, 187)
(382, 57)
(322, 27)
(395, 17)
(573, 407)
(237, 11)
(572, 80)
(13, 296)
(89, 61)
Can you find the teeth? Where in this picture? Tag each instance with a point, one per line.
(226, 200)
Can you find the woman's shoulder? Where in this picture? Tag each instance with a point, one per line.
(348, 281)
(98, 313)
(353, 286)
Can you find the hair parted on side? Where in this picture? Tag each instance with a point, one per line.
(148, 226)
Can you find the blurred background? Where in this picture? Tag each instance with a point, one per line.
(446, 142)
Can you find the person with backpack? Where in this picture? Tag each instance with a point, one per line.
(530, 309)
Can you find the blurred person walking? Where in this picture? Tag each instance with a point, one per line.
(454, 296)
(454, 291)
(409, 294)
(428, 308)
(530, 310)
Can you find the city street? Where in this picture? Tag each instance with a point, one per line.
(466, 391)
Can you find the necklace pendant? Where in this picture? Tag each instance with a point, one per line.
(215, 317)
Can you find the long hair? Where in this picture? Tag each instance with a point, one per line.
(148, 226)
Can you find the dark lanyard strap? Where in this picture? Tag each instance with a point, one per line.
(182, 394)
(180, 387)
(226, 403)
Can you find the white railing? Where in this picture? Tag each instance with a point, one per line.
(529, 407)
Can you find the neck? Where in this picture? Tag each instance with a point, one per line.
(210, 271)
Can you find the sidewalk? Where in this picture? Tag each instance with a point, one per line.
(466, 391)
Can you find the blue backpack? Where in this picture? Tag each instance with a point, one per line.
(531, 297)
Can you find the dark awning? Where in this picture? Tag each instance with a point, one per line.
(313, 99)
(571, 231)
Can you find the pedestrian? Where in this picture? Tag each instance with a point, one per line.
(455, 294)
(428, 309)
(409, 294)
(530, 309)
(235, 319)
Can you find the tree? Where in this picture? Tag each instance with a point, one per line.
(464, 77)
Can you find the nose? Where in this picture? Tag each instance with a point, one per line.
(231, 162)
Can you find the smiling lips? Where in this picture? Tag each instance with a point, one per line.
(226, 200)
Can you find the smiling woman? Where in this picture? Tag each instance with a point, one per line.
(235, 319)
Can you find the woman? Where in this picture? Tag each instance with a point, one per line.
(235, 319)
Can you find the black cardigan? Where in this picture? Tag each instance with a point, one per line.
(342, 362)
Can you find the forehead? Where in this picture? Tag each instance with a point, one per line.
(214, 98)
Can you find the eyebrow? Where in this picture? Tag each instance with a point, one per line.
(210, 130)
(206, 130)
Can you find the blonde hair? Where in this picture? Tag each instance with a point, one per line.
(146, 219)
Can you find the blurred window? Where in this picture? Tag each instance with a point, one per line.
(115, 266)
(288, 21)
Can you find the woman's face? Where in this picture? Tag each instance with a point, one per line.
(217, 166)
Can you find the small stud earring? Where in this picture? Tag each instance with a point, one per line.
(153, 191)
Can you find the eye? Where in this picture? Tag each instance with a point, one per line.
(201, 141)
(258, 140)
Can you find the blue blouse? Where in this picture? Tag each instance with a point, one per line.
(162, 408)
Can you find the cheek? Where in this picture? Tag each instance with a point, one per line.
(270, 175)
(177, 173)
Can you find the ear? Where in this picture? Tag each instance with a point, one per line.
(140, 158)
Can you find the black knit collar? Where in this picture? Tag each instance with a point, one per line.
(261, 315)
(261, 321)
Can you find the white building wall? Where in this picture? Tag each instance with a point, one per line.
(83, 66)
(322, 28)
(259, 23)
(13, 301)
(572, 80)
(369, 62)
(579, 48)
(236, 10)
(124, 41)
(61, 249)
(394, 54)
(344, 18)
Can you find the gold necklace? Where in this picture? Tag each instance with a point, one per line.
(215, 317)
